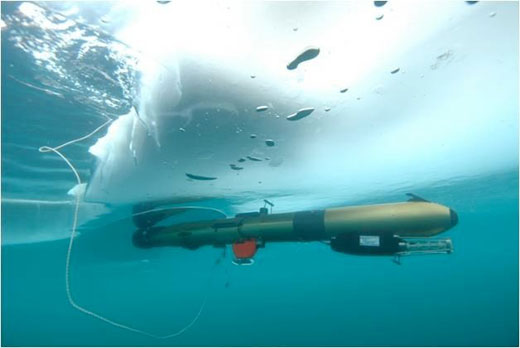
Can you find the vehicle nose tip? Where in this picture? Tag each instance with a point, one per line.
(453, 217)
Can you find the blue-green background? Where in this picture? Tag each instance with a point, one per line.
(295, 294)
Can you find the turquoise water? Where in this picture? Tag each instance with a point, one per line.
(296, 294)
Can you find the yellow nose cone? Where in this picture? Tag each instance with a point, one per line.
(409, 219)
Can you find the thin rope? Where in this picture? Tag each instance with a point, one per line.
(71, 300)
(54, 149)
(187, 207)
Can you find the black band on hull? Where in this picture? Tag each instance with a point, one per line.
(310, 225)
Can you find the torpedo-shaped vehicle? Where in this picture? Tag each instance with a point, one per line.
(397, 229)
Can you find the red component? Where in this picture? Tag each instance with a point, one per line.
(245, 249)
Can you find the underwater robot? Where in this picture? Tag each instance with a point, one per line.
(382, 229)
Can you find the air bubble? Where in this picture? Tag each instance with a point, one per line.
(308, 54)
(254, 159)
(300, 114)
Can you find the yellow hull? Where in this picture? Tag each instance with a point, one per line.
(379, 228)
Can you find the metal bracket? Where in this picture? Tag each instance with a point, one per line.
(416, 246)
(243, 262)
(271, 204)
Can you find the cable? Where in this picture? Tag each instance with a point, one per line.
(54, 149)
(181, 207)
(71, 300)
